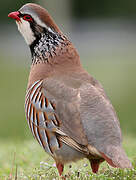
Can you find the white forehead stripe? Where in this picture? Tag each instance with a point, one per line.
(26, 31)
(36, 18)
(40, 23)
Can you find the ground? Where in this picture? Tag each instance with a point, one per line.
(25, 160)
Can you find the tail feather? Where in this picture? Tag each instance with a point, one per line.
(116, 157)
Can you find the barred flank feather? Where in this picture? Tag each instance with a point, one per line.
(41, 118)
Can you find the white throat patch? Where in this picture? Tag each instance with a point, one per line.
(25, 30)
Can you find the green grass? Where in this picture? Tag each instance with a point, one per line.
(33, 163)
(18, 149)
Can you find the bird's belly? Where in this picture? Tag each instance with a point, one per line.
(67, 154)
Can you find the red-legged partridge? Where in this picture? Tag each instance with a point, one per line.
(67, 110)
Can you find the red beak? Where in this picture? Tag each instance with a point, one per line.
(14, 15)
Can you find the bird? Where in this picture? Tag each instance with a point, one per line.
(67, 110)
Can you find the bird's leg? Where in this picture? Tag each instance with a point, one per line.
(95, 165)
(60, 168)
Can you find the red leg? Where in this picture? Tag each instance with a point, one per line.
(95, 164)
(60, 168)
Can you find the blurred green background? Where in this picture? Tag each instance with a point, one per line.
(104, 32)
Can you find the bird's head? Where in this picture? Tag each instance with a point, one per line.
(33, 20)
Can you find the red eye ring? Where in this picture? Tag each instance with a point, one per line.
(27, 18)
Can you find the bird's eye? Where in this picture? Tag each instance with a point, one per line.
(27, 18)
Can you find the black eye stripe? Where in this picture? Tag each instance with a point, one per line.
(20, 14)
